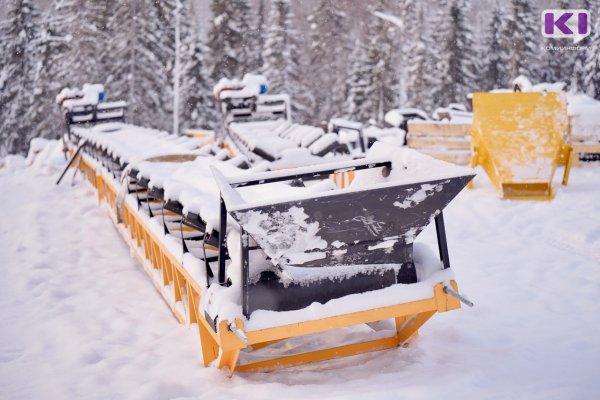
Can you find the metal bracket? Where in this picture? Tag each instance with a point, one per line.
(448, 290)
(238, 332)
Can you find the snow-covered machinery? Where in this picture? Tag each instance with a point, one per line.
(519, 139)
(258, 126)
(356, 139)
(352, 250)
(584, 127)
(446, 137)
(246, 99)
(258, 259)
(350, 132)
(88, 106)
(400, 117)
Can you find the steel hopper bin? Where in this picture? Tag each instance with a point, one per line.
(518, 139)
(364, 233)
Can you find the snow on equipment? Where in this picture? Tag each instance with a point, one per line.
(447, 137)
(350, 132)
(358, 139)
(399, 117)
(264, 262)
(259, 127)
(455, 112)
(247, 99)
(584, 123)
(519, 139)
(88, 106)
(370, 246)
(445, 140)
(261, 251)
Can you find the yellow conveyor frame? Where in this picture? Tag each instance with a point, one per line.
(182, 294)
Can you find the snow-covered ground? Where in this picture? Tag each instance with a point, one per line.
(80, 319)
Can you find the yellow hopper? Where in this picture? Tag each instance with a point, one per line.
(519, 139)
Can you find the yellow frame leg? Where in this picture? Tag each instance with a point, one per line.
(568, 165)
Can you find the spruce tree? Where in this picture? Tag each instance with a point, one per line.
(246, 25)
(458, 77)
(520, 34)
(51, 75)
(557, 66)
(577, 81)
(150, 65)
(439, 24)
(328, 56)
(415, 50)
(231, 39)
(592, 65)
(20, 42)
(493, 69)
(198, 109)
(283, 64)
(381, 80)
(260, 28)
(85, 23)
(356, 84)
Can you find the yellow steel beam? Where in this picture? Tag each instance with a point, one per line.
(321, 355)
(409, 316)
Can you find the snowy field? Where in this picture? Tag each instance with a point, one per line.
(81, 320)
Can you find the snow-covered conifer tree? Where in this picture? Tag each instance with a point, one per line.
(283, 64)
(458, 78)
(415, 51)
(519, 37)
(328, 58)
(356, 84)
(20, 44)
(492, 67)
(557, 66)
(50, 77)
(198, 108)
(380, 78)
(438, 23)
(592, 64)
(261, 20)
(149, 62)
(231, 39)
(245, 21)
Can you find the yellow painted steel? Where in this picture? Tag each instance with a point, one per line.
(519, 139)
(182, 293)
(199, 133)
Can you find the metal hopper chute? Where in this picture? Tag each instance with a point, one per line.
(364, 233)
(518, 138)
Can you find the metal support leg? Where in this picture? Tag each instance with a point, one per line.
(245, 272)
(222, 241)
(441, 239)
(81, 146)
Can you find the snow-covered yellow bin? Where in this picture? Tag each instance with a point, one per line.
(519, 139)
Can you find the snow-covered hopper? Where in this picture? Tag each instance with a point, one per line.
(258, 257)
(323, 249)
(519, 139)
